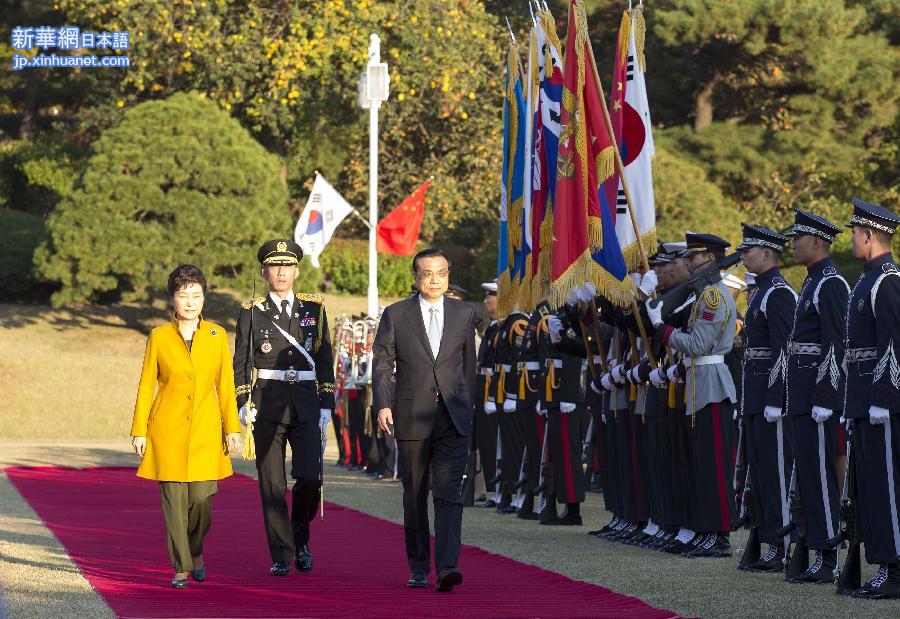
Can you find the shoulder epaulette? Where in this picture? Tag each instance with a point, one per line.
(310, 298)
(779, 281)
(889, 268)
(712, 296)
(829, 271)
(252, 302)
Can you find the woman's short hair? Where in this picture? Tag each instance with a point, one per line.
(185, 275)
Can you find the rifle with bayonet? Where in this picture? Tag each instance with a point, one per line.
(798, 562)
(752, 552)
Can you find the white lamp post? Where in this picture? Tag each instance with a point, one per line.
(373, 89)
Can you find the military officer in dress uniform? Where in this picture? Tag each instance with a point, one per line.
(872, 400)
(815, 387)
(285, 337)
(710, 398)
(768, 322)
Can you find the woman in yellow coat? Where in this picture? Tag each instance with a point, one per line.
(185, 420)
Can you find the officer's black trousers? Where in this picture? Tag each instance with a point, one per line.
(565, 453)
(877, 449)
(712, 462)
(771, 462)
(814, 446)
(486, 438)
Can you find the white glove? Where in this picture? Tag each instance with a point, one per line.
(649, 281)
(820, 414)
(566, 407)
(878, 415)
(555, 327)
(594, 387)
(618, 374)
(490, 408)
(654, 312)
(246, 415)
(509, 405)
(636, 278)
(634, 375)
(672, 373)
(324, 417)
(539, 410)
(773, 413)
(658, 378)
(607, 382)
(587, 293)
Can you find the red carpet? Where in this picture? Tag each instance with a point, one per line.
(111, 525)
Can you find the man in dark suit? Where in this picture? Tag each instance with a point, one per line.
(427, 342)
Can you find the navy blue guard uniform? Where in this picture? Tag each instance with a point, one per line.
(815, 379)
(288, 395)
(770, 316)
(873, 386)
(512, 441)
(486, 423)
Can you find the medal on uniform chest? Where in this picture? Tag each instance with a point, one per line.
(861, 305)
(266, 347)
(807, 304)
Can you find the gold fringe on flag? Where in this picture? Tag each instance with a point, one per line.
(632, 252)
(595, 233)
(640, 36)
(624, 36)
(605, 164)
(583, 271)
(503, 294)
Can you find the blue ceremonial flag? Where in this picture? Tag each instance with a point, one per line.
(510, 261)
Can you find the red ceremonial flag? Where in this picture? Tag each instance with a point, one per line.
(585, 247)
(398, 231)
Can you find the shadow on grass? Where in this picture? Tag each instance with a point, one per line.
(221, 307)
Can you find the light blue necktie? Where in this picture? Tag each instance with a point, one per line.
(434, 331)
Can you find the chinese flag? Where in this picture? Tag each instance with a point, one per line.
(398, 232)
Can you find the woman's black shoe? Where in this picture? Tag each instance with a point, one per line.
(179, 583)
(199, 574)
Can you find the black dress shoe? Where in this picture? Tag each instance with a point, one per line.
(676, 547)
(506, 509)
(821, 571)
(199, 574)
(490, 503)
(714, 546)
(179, 583)
(481, 498)
(304, 559)
(280, 568)
(418, 580)
(527, 515)
(772, 561)
(885, 585)
(571, 520)
(448, 578)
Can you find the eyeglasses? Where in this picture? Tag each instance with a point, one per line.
(442, 274)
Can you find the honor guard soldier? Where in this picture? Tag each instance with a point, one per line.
(872, 401)
(770, 316)
(486, 408)
(815, 387)
(710, 398)
(512, 439)
(564, 406)
(285, 337)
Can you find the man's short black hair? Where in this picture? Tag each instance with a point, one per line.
(185, 275)
(431, 252)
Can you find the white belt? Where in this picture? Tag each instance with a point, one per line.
(557, 363)
(506, 367)
(487, 372)
(532, 365)
(288, 376)
(705, 360)
(758, 353)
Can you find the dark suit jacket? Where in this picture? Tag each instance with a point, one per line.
(401, 341)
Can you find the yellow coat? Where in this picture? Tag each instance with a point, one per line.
(194, 407)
